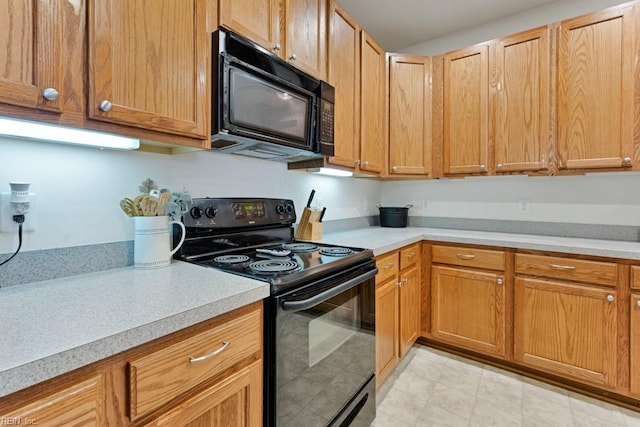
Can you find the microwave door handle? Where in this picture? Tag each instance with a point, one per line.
(329, 293)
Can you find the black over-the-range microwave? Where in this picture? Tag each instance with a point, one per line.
(264, 107)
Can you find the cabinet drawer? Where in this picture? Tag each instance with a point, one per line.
(166, 373)
(596, 272)
(409, 256)
(469, 257)
(387, 267)
(635, 277)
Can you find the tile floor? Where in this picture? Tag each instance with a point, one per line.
(434, 388)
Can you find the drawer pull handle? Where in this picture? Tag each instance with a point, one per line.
(465, 256)
(412, 255)
(388, 266)
(562, 267)
(224, 346)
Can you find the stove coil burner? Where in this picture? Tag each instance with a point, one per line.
(300, 247)
(232, 260)
(336, 251)
(273, 266)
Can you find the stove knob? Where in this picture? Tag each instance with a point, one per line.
(210, 211)
(196, 212)
(280, 209)
(289, 208)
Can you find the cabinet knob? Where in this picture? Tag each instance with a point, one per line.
(365, 164)
(638, 303)
(50, 94)
(499, 166)
(610, 298)
(627, 160)
(106, 105)
(358, 162)
(483, 167)
(293, 57)
(395, 168)
(498, 281)
(399, 284)
(277, 46)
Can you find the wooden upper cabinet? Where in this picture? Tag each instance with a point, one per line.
(597, 64)
(465, 111)
(31, 53)
(258, 20)
(306, 35)
(373, 134)
(344, 75)
(409, 115)
(148, 64)
(520, 101)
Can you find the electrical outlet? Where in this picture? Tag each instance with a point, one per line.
(7, 224)
(523, 206)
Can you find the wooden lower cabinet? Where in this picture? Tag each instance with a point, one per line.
(235, 401)
(409, 309)
(468, 309)
(635, 345)
(81, 404)
(386, 329)
(566, 329)
(209, 374)
(398, 296)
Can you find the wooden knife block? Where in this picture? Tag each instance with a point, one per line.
(310, 227)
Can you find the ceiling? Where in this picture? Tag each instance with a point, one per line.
(397, 24)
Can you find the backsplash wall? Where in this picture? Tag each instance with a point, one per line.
(78, 189)
(598, 198)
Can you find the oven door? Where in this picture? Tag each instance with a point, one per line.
(323, 351)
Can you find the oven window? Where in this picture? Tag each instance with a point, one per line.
(259, 105)
(323, 356)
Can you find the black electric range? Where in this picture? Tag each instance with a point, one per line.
(319, 322)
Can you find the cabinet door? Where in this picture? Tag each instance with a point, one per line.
(566, 329)
(148, 64)
(236, 401)
(596, 85)
(409, 115)
(344, 75)
(468, 309)
(258, 20)
(465, 109)
(31, 53)
(409, 309)
(521, 101)
(386, 328)
(635, 344)
(373, 135)
(306, 41)
(81, 404)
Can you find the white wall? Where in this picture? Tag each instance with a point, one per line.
(78, 189)
(604, 198)
(543, 15)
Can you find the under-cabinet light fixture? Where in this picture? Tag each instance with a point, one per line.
(65, 135)
(330, 172)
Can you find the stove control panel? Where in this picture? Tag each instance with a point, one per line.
(238, 212)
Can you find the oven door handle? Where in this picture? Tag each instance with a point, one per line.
(329, 293)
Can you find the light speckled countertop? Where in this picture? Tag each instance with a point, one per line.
(52, 327)
(381, 240)
(55, 326)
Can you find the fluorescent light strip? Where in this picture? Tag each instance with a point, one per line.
(65, 135)
(330, 172)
